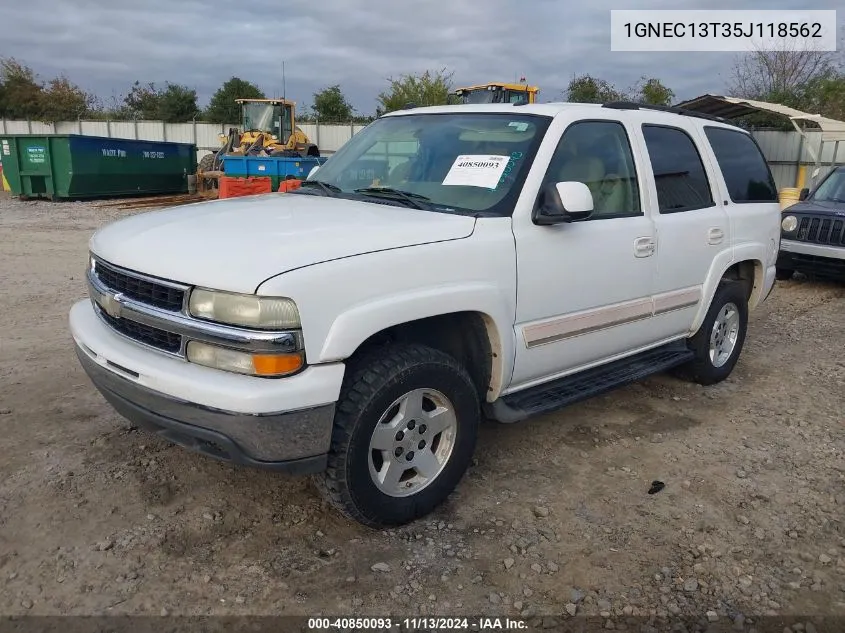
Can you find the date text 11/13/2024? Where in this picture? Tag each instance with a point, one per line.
(417, 624)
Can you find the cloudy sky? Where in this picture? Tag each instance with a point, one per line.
(105, 45)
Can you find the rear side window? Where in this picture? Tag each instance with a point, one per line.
(746, 172)
(679, 174)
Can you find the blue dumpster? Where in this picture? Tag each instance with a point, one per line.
(278, 168)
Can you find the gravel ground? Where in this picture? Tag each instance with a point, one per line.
(553, 520)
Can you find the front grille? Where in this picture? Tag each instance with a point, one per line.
(149, 292)
(822, 230)
(151, 336)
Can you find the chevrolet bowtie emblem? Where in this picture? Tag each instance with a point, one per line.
(112, 305)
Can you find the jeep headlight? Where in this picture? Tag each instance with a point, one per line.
(789, 224)
(265, 313)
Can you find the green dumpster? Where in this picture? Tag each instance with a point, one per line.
(71, 166)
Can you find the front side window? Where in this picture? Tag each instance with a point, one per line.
(746, 172)
(679, 174)
(260, 116)
(458, 162)
(598, 154)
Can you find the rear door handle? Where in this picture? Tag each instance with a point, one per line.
(644, 247)
(715, 235)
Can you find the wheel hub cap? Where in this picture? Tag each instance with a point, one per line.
(412, 442)
(724, 335)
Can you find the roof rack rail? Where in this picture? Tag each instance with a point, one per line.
(630, 105)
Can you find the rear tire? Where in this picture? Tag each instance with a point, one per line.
(718, 342)
(404, 434)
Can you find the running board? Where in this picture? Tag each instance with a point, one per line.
(587, 384)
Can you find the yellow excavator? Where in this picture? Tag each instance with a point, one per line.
(268, 128)
(497, 92)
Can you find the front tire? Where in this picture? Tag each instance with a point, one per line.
(718, 342)
(206, 163)
(404, 434)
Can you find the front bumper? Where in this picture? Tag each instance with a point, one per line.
(812, 258)
(277, 424)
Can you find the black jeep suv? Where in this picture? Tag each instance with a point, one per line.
(813, 231)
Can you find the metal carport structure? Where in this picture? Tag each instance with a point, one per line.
(831, 130)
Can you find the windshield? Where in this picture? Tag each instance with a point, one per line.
(261, 116)
(478, 96)
(483, 95)
(832, 189)
(456, 162)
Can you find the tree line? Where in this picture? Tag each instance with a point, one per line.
(807, 80)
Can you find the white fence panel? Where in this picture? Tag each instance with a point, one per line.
(122, 129)
(95, 128)
(17, 127)
(208, 135)
(68, 127)
(180, 132)
(779, 146)
(329, 137)
(150, 130)
(42, 128)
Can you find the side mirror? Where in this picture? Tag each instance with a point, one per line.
(563, 202)
(804, 193)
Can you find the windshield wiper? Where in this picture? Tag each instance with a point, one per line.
(414, 199)
(327, 189)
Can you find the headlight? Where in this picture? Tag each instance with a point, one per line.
(789, 224)
(266, 313)
(269, 365)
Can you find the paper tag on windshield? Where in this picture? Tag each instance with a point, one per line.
(477, 170)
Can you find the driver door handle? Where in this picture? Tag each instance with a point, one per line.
(644, 247)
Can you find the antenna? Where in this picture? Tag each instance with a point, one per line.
(284, 91)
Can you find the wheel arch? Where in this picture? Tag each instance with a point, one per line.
(471, 337)
(748, 270)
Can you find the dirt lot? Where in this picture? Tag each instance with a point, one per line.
(553, 518)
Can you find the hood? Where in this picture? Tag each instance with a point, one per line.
(817, 208)
(237, 243)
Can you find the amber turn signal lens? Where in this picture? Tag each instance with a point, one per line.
(265, 365)
(276, 364)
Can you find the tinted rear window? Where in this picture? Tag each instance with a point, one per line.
(679, 174)
(745, 170)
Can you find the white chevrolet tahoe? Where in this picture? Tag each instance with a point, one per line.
(448, 264)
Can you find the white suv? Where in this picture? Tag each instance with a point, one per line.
(446, 264)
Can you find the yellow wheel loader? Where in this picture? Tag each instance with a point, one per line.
(497, 92)
(268, 128)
